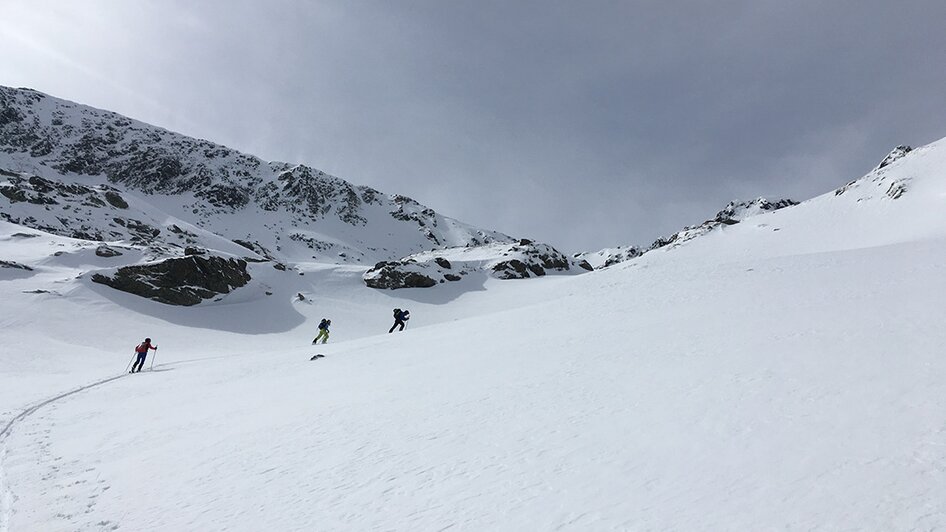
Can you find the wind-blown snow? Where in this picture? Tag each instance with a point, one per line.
(786, 372)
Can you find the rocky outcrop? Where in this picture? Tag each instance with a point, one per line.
(395, 275)
(533, 261)
(106, 251)
(72, 210)
(14, 265)
(502, 261)
(608, 256)
(736, 211)
(179, 281)
(894, 189)
(896, 154)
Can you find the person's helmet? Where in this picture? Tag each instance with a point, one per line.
(147, 339)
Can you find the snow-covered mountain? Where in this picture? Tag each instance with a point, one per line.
(892, 184)
(62, 162)
(153, 196)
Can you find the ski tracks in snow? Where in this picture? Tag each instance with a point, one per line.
(6, 494)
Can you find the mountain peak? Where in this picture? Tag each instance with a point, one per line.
(897, 153)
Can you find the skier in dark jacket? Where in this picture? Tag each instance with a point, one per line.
(323, 331)
(400, 317)
(142, 351)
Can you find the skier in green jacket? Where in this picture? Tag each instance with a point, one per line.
(323, 331)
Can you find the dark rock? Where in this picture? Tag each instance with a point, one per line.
(106, 251)
(451, 277)
(387, 275)
(525, 242)
(189, 250)
(443, 263)
(280, 266)
(178, 231)
(15, 265)
(896, 189)
(734, 211)
(553, 262)
(15, 195)
(585, 265)
(116, 200)
(898, 153)
(180, 281)
(511, 269)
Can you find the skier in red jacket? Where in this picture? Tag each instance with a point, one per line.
(142, 351)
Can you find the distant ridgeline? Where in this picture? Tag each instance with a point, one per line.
(150, 196)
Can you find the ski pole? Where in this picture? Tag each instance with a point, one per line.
(130, 361)
(154, 356)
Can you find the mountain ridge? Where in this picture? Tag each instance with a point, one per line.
(53, 138)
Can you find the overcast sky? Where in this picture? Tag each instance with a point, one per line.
(581, 124)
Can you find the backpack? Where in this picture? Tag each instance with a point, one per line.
(405, 315)
(141, 348)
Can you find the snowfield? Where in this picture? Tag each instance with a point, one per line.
(783, 373)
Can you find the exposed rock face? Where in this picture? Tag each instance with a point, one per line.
(106, 251)
(736, 211)
(516, 269)
(879, 175)
(180, 281)
(898, 153)
(895, 187)
(536, 259)
(88, 213)
(608, 256)
(394, 275)
(14, 265)
(502, 261)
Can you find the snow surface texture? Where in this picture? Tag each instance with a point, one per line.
(785, 372)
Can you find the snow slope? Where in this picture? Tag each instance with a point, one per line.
(785, 372)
